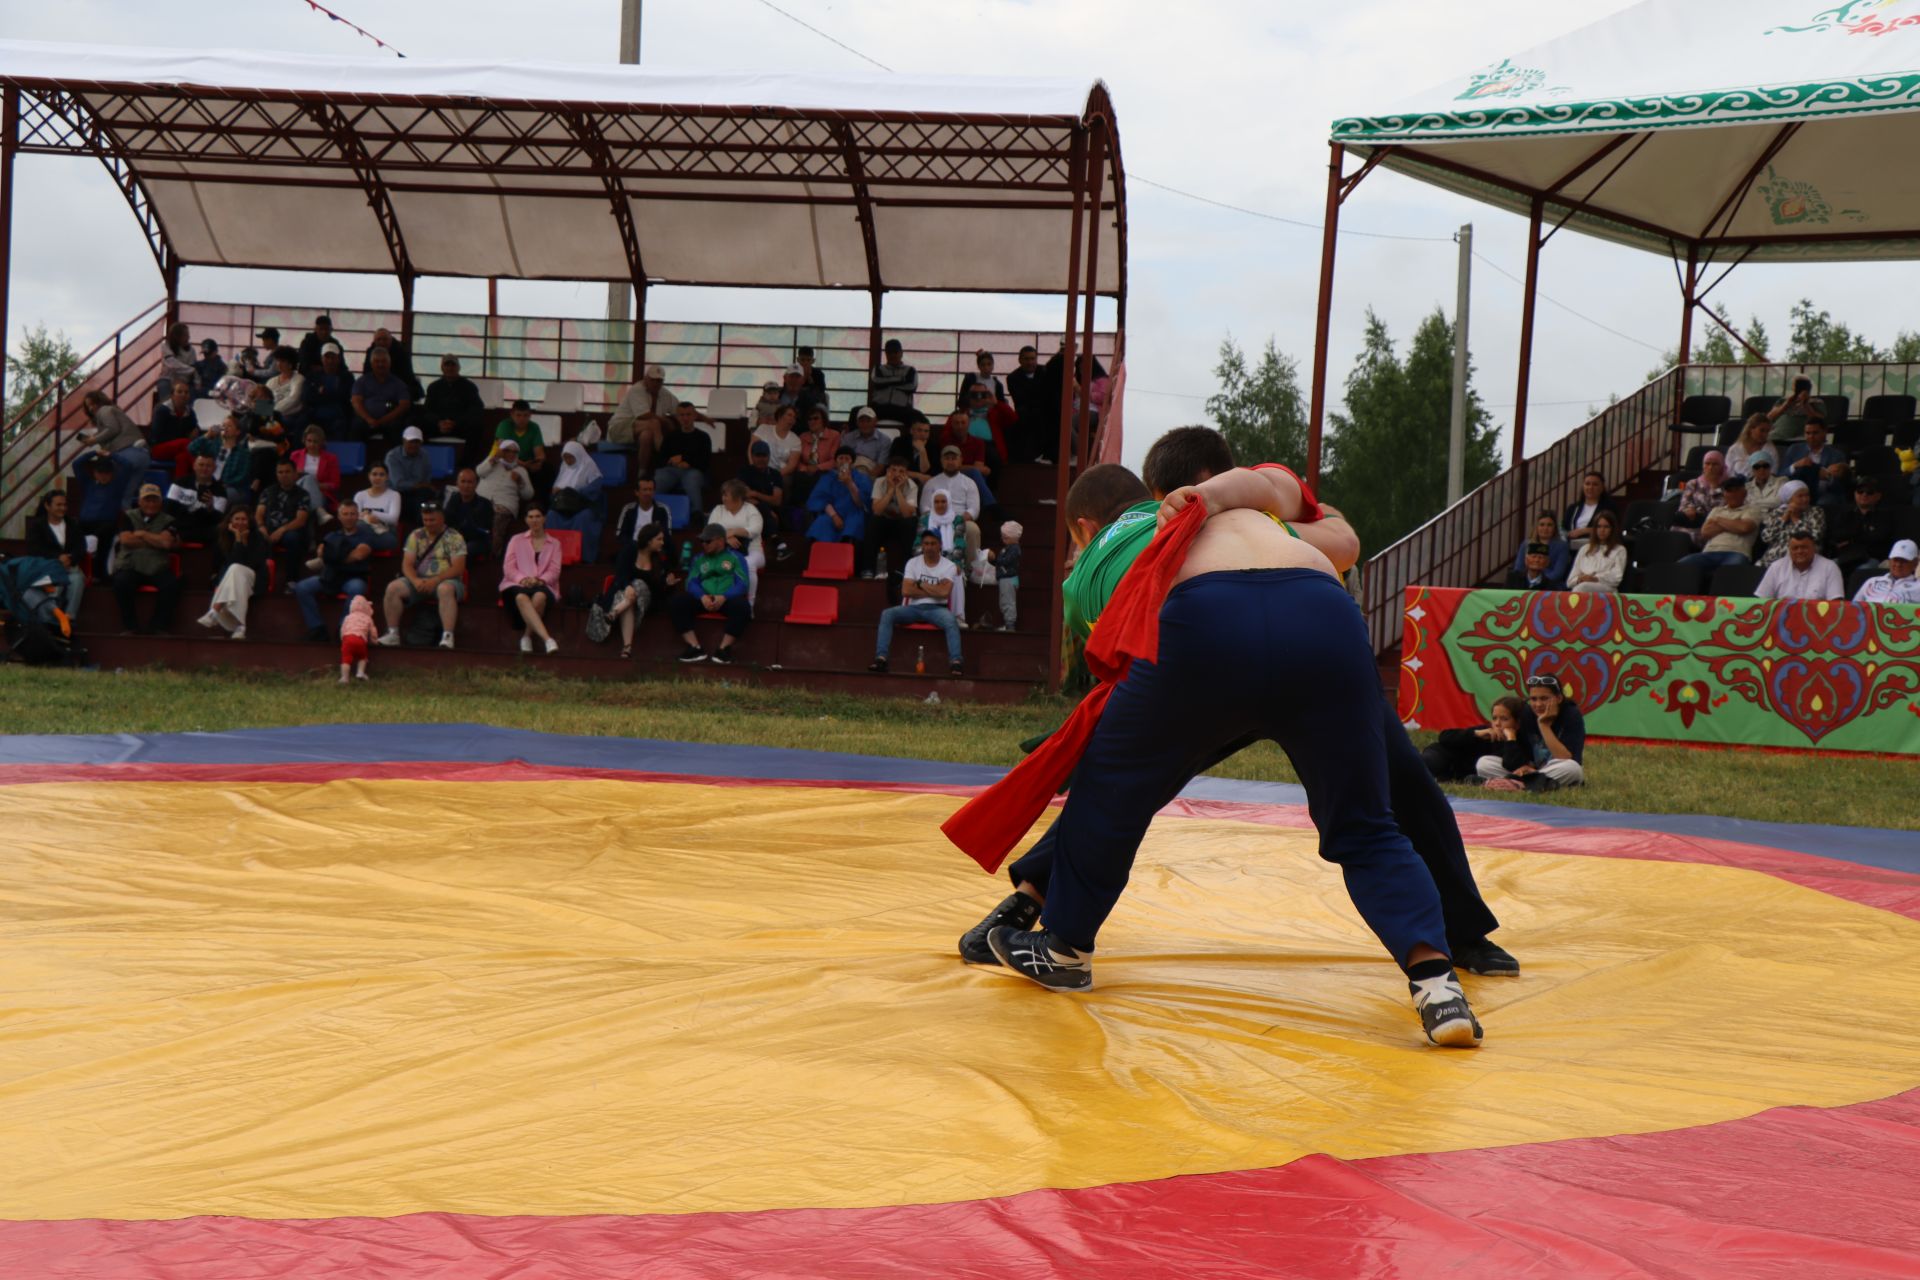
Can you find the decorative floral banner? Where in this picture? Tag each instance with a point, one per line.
(1772, 673)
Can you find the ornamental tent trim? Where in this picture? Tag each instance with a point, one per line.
(595, 172)
(1712, 132)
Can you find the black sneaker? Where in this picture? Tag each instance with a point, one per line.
(1016, 911)
(878, 665)
(1444, 1012)
(693, 653)
(1486, 958)
(1042, 958)
(723, 656)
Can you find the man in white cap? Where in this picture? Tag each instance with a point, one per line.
(1897, 585)
(410, 471)
(643, 415)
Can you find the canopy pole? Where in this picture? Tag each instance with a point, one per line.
(1322, 321)
(172, 277)
(9, 142)
(1526, 356)
(1096, 177)
(1063, 451)
(875, 331)
(406, 312)
(1687, 304)
(639, 330)
(486, 338)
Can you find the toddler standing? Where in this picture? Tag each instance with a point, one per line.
(356, 633)
(1007, 562)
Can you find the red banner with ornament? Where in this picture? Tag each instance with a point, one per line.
(1770, 673)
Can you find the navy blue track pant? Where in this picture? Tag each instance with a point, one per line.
(1274, 653)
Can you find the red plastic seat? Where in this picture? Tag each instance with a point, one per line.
(815, 606)
(569, 540)
(174, 564)
(830, 560)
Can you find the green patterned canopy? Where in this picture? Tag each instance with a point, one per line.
(1785, 128)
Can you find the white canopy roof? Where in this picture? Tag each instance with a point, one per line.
(1783, 129)
(583, 172)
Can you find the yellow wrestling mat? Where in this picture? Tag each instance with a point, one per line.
(566, 997)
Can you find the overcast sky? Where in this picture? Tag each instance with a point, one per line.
(1226, 98)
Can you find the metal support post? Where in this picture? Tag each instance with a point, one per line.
(1063, 451)
(1532, 289)
(1322, 322)
(1457, 426)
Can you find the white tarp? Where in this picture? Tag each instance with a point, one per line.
(1706, 87)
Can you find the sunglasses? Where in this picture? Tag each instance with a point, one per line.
(1543, 682)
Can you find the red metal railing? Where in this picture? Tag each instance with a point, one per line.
(37, 442)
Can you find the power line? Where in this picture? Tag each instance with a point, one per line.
(1291, 222)
(1564, 307)
(824, 36)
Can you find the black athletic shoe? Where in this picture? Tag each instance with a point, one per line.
(1016, 911)
(1042, 958)
(693, 653)
(722, 656)
(1444, 1012)
(1486, 958)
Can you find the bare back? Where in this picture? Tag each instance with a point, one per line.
(1246, 539)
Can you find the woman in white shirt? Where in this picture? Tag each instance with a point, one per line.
(380, 508)
(1751, 444)
(741, 519)
(783, 442)
(289, 389)
(1602, 562)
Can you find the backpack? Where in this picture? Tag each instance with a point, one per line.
(40, 633)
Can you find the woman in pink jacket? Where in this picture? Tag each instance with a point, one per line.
(530, 579)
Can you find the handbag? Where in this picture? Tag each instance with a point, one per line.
(568, 501)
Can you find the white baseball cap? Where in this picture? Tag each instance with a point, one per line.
(1904, 550)
(413, 433)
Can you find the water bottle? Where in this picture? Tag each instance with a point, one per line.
(880, 565)
(920, 661)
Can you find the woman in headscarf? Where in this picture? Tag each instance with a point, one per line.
(1702, 493)
(1795, 512)
(941, 518)
(577, 501)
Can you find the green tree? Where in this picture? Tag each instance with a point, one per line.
(1387, 454)
(43, 359)
(1906, 347)
(1818, 339)
(1757, 339)
(1260, 411)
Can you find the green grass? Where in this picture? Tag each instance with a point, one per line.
(1735, 783)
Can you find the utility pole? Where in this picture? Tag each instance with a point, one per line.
(619, 304)
(1457, 434)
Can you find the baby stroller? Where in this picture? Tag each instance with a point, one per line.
(37, 630)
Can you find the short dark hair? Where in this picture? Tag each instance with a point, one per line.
(1102, 492)
(271, 334)
(844, 451)
(1178, 457)
(1029, 350)
(288, 354)
(1868, 485)
(929, 533)
(1803, 384)
(1801, 534)
(803, 353)
(519, 405)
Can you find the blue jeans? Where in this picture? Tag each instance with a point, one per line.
(307, 593)
(1281, 653)
(937, 614)
(1715, 559)
(687, 480)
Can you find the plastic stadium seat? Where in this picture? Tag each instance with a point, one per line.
(727, 402)
(1888, 411)
(352, 455)
(563, 397)
(174, 563)
(1857, 437)
(613, 467)
(550, 430)
(830, 560)
(446, 460)
(1648, 513)
(1703, 413)
(716, 433)
(1729, 432)
(1739, 580)
(569, 540)
(1836, 409)
(1757, 404)
(1661, 546)
(814, 606)
(679, 509)
(1673, 579)
(493, 392)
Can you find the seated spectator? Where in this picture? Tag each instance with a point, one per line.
(1795, 514)
(381, 400)
(144, 558)
(896, 514)
(313, 346)
(1730, 530)
(410, 471)
(266, 435)
(209, 368)
(1751, 444)
(1702, 493)
(1006, 564)
(1821, 467)
(1602, 561)
(891, 385)
(741, 519)
(818, 446)
(928, 590)
(870, 447)
(1763, 487)
(577, 501)
(1804, 574)
(262, 368)
(796, 393)
(1789, 418)
(716, 583)
(1023, 389)
(339, 570)
(938, 517)
(330, 397)
(177, 359)
(319, 471)
(239, 574)
(468, 512)
(643, 573)
(1897, 585)
(525, 434)
(639, 513)
(961, 490)
(504, 482)
(839, 502)
(530, 580)
(1455, 753)
(767, 489)
(685, 455)
(113, 433)
(1580, 514)
(767, 407)
(983, 363)
(289, 390)
(1532, 575)
(979, 457)
(285, 516)
(987, 423)
(379, 507)
(51, 536)
(197, 504)
(399, 360)
(99, 515)
(812, 377)
(175, 426)
(917, 450)
(246, 364)
(646, 413)
(783, 440)
(1555, 738)
(454, 408)
(1861, 532)
(433, 567)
